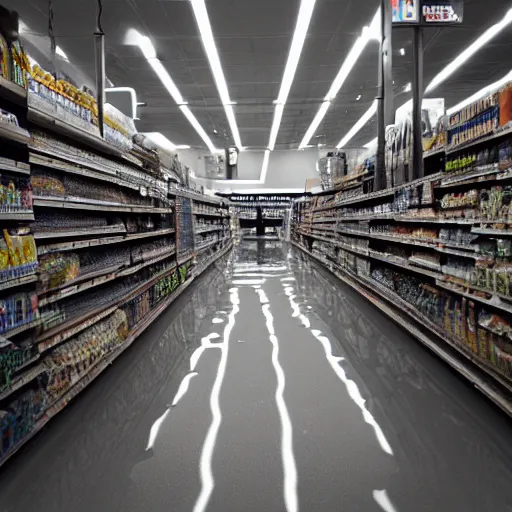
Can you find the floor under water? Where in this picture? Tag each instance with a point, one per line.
(269, 386)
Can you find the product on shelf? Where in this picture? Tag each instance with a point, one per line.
(17, 310)
(18, 254)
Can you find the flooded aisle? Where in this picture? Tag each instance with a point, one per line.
(269, 386)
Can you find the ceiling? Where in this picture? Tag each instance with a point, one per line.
(253, 39)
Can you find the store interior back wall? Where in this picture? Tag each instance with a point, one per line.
(286, 169)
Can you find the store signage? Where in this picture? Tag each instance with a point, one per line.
(405, 11)
(442, 12)
(427, 12)
(258, 199)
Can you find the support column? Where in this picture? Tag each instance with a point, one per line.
(417, 100)
(385, 97)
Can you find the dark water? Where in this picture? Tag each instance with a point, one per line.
(269, 386)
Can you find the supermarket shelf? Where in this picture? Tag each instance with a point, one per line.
(491, 232)
(12, 92)
(19, 281)
(14, 133)
(97, 369)
(200, 198)
(89, 204)
(59, 338)
(495, 302)
(481, 140)
(23, 379)
(209, 230)
(82, 171)
(212, 259)
(78, 232)
(470, 177)
(132, 270)
(434, 152)
(81, 244)
(203, 247)
(453, 353)
(21, 328)
(48, 121)
(203, 214)
(9, 165)
(324, 220)
(19, 216)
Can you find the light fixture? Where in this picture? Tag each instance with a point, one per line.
(60, 52)
(402, 51)
(205, 29)
(470, 51)
(133, 37)
(355, 129)
(264, 167)
(449, 69)
(367, 34)
(299, 36)
(408, 87)
(358, 97)
(160, 140)
(372, 143)
(183, 146)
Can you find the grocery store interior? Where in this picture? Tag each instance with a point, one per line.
(255, 256)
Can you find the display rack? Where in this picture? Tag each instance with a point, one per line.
(109, 244)
(434, 254)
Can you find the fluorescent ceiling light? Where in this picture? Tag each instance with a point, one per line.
(470, 51)
(355, 129)
(372, 143)
(264, 167)
(358, 97)
(481, 93)
(59, 51)
(408, 87)
(182, 146)
(133, 37)
(299, 36)
(160, 140)
(205, 29)
(367, 34)
(402, 51)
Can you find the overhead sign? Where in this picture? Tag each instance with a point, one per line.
(405, 11)
(427, 12)
(442, 12)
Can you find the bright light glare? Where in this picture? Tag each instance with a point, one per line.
(371, 144)
(299, 36)
(408, 87)
(355, 129)
(264, 167)
(469, 51)
(133, 37)
(481, 93)
(402, 51)
(205, 28)
(367, 34)
(160, 140)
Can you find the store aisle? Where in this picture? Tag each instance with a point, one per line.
(270, 386)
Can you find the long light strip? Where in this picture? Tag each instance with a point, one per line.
(355, 129)
(481, 93)
(299, 36)
(367, 34)
(446, 72)
(470, 51)
(205, 29)
(148, 50)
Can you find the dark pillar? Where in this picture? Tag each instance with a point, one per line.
(260, 223)
(417, 100)
(99, 47)
(385, 96)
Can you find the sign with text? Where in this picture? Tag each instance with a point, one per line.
(442, 12)
(427, 12)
